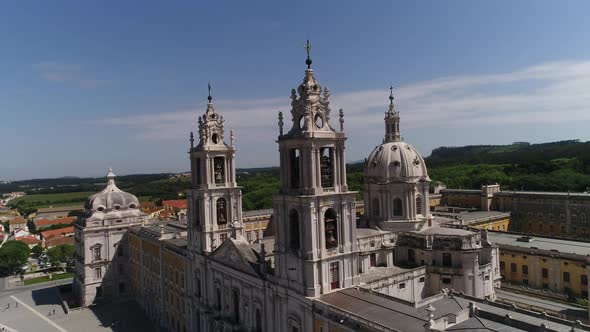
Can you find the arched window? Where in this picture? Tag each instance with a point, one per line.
(331, 228)
(236, 305)
(221, 211)
(294, 241)
(376, 207)
(397, 207)
(326, 167)
(419, 205)
(295, 168)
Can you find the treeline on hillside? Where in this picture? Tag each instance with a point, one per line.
(75, 184)
(516, 153)
(556, 166)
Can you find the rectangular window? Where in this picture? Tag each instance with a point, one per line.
(447, 259)
(446, 280)
(584, 280)
(402, 285)
(96, 252)
(545, 286)
(525, 269)
(502, 266)
(97, 273)
(566, 277)
(513, 267)
(334, 275)
(373, 259)
(421, 280)
(121, 288)
(544, 273)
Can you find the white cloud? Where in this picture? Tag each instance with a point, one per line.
(549, 92)
(66, 72)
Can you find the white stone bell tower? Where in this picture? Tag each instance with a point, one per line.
(314, 212)
(214, 201)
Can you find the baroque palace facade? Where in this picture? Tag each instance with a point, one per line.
(402, 270)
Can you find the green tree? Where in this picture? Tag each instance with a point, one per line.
(37, 250)
(31, 226)
(13, 255)
(62, 255)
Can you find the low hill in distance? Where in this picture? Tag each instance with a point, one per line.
(555, 166)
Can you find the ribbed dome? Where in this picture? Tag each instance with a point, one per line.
(111, 198)
(396, 162)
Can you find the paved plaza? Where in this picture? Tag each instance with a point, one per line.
(41, 310)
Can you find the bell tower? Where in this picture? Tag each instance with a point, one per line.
(314, 211)
(214, 200)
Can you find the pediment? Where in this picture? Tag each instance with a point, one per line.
(229, 254)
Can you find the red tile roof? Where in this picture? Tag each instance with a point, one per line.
(59, 221)
(17, 220)
(57, 232)
(177, 203)
(29, 240)
(56, 241)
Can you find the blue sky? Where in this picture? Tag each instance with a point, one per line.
(89, 85)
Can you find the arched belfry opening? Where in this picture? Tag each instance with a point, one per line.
(327, 167)
(294, 238)
(221, 211)
(397, 207)
(295, 167)
(219, 169)
(419, 205)
(331, 228)
(375, 207)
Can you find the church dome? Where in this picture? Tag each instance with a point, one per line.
(396, 162)
(111, 198)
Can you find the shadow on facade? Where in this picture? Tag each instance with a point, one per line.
(46, 296)
(122, 317)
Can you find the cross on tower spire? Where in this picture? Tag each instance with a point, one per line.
(209, 92)
(308, 51)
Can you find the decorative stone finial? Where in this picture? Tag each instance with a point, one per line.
(209, 98)
(281, 123)
(231, 137)
(111, 177)
(341, 113)
(192, 140)
(308, 51)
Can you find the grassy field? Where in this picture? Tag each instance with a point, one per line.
(37, 280)
(50, 199)
(30, 203)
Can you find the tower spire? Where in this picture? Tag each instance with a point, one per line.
(392, 133)
(308, 51)
(209, 98)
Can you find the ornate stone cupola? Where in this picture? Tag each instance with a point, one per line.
(215, 200)
(392, 133)
(310, 109)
